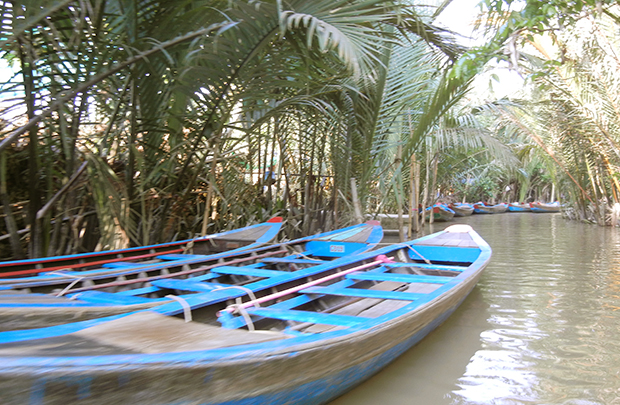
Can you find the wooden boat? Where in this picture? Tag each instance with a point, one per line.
(482, 208)
(461, 209)
(545, 207)
(441, 212)
(305, 337)
(499, 208)
(519, 207)
(57, 297)
(246, 237)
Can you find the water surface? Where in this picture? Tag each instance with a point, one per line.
(541, 327)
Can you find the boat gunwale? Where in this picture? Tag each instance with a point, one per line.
(273, 349)
(273, 225)
(42, 279)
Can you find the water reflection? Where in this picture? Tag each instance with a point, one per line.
(421, 373)
(542, 326)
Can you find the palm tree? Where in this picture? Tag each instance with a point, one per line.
(144, 119)
(573, 118)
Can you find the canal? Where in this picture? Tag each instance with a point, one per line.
(541, 327)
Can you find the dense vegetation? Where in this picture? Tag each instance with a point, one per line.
(132, 122)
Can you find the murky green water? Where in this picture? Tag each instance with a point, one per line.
(541, 327)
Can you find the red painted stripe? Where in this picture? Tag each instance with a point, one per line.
(177, 274)
(93, 263)
(131, 251)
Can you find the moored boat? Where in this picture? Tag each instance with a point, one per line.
(58, 297)
(305, 338)
(441, 212)
(482, 208)
(519, 207)
(545, 207)
(246, 237)
(461, 209)
(499, 208)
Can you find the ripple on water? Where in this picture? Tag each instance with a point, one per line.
(543, 326)
(554, 320)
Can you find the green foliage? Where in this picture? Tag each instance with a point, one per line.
(180, 107)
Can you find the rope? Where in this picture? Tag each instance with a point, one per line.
(67, 288)
(239, 307)
(246, 317)
(244, 289)
(416, 252)
(188, 247)
(187, 310)
(75, 296)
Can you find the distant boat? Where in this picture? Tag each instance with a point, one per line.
(519, 207)
(441, 212)
(304, 337)
(59, 297)
(545, 207)
(499, 208)
(482, 208)
(241, 238)
(461, 209)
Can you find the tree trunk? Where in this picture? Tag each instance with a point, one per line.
(9, 220)
(356, 202)
(400, 193)
(415, 197)
(34, 174)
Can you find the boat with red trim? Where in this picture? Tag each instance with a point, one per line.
(461, 209)
(246, 237)
(519, 207)
(546, 207)
(302, 337)
(52, 298)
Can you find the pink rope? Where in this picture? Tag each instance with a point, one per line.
(236, 307)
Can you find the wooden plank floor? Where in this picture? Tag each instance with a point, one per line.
(144, 332)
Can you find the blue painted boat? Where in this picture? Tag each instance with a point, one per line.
(499, 208)
(462, 209)
(304, 337)
(519, 207)
(58, 297)
(441, 212)
(482, 208)
(546, 207)
(241, 238)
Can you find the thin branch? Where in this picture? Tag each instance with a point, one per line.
(98, 78)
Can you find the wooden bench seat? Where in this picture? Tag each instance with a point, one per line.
(363, 293)
(247, 271)
(404, 278)
(427, 266)
(306, 316)
(102, 297)
(187, 285)
(291, 260)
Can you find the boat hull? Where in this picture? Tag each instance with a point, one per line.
(490, 209)
(242, 238)
(301, 369)
(483, 209)
(499, 208)
(49, 304)
(462, 210)
(519, 207)
(440, 212)
(306, 374)
(542, 207)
